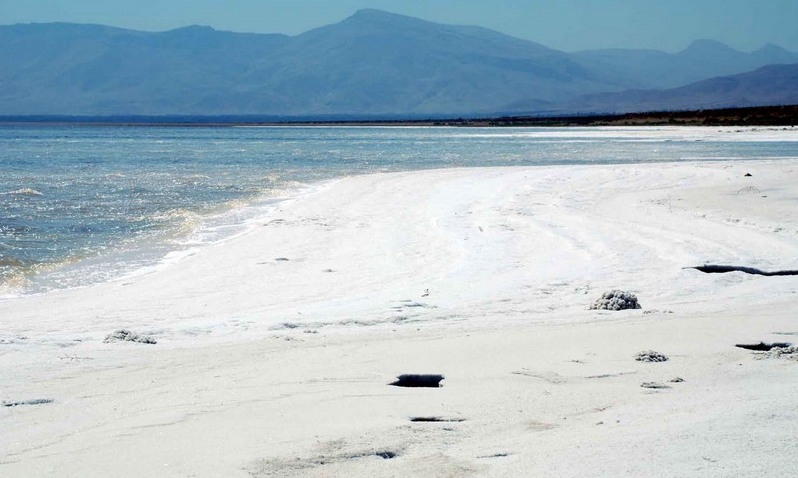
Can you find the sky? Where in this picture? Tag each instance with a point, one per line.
(568, 25)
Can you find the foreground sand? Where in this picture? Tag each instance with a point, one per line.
(275, 347)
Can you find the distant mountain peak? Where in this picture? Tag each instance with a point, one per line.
(707, 46)
(193, 29)
(770, 48)
(387, 23)
(373, 12)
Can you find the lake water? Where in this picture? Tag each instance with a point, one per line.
(85, 204)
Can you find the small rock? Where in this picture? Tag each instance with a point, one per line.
(676, 380)
(124, 335)
(651, 356)
(616, 300)
(763, 347)
(418, 380)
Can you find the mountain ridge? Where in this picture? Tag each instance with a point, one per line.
(371, 63)
(771, 85)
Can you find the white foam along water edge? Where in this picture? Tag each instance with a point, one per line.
(121, 265)
(705, 159)
(654, 134)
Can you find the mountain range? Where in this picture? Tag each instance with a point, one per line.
(770, 85)
(373, 63)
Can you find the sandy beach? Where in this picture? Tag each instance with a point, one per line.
(275, 348)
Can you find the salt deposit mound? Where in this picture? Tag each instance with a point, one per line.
(651, 356)
(616, 300)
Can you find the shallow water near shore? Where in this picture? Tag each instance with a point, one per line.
(80, 205)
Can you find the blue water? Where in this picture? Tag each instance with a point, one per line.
(85, 204)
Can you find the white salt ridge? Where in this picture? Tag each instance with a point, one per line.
(655, 134)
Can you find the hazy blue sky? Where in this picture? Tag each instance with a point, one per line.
(564, 24)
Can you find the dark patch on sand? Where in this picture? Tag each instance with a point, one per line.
(495, 455)
(418, 380)
(762, 346)
(436, 419)
(611, 375)
(385, 455)
(299, 466)
(720, 269)
(654, 385)
(35, 401)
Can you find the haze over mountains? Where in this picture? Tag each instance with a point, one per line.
(371, 64)
(766, 86)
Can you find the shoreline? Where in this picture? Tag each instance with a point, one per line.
(164, 249)
(275, 347)
(232, 247)
(122, 251)
(780, 115)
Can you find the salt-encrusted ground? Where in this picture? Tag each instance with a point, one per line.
(274, 348)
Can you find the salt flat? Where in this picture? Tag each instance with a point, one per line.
(275, 347)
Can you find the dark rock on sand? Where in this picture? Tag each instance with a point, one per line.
(436, 419)
(415, 380)
(124, 335)
(651, 356)
(616, 300)
(762, 346)
(721, 269)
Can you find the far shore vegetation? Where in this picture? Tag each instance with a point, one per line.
(751, 116)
